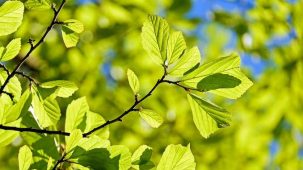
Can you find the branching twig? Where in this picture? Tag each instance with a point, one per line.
(33, 47)
(59, 161)
(31, 80)
(4, 68)
(182, 86)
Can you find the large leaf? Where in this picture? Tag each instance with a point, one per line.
(208, 117)
(75, 113)
(73, 140)
(64, 88)
(141, 158)
(52, 109)
(175, 47)
(8, 136)
(133, 81)
(12, 49)
(94, 120)
(11, 14)
(155, 32)
(151, 117)
(37, 4)
(25, 158)
(218, 81)
(189, 60)
(177, 157)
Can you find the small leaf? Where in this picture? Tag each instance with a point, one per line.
(8, 136)
(37, 4)
(75, 113)
(11, 15)
(155, 32)
(94, 120)
(208, 117)
(73, 140)
(177, 157)
(70, 38)
(218, 81)
(11, 50)
(74, 25)
(133, 81)
(25, 158)
(65, 88)
(189, 60)
(151, 117)
(123, 153)
(141, 158)
(175, 47)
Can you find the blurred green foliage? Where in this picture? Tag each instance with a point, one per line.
(267, 128)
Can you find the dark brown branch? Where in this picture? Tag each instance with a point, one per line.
(29, 129)
(4, 68)
(33, 47)
(60, 161)
(30, 79)
(11, 96)
(182, 86)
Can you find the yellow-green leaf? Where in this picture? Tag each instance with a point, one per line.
(11, 50)
(74, 25)
(75, 113)
(175, 47)
(25, 158)
(151, 117)
(11, 15)
(133, 81)
(70, 38)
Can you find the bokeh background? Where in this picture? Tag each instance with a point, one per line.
(267, 128)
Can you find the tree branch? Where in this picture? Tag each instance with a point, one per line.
(29, 129)
(33, 47)
(182, 86)
(59, 161)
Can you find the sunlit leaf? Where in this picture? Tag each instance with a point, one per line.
(151, 117)
(75, 113)
(218, 81)
(94, 120)
(37, 4)
(175, 47)
(8, 136)
(13, 87)
(64, 88)
(208, 117)
(133, 81)
(52, 109)
(11, 15)
(177, 157)
(141, 158)
(24, 158)
(155, 32)
(74, 25)
(73, 139)
(12, 49)
(39, 112)
(70, 38)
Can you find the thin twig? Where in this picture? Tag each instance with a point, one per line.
(33, 47)
(30, 79)
(59, 161)
(11, 96)
(4, 68)
(182, 86)
(29, 129)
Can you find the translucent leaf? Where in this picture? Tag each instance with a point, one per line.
(37, 4)
(73, 139)
(13, 87)
(189, 60)
(39, 112)
(175, 47)
(218, 81)
(25, 158)
(70, 38)
(123, 153)
(45, 147)
(12, 49)
(141, 158)
(208, 117)
(155, 32)
(74, 25)
(151, 117)
(133, 81)
(8, 136)
(75, 113)
(65, 88)
(94, 120)
(177, 157)
(52, 109)
(11, 15)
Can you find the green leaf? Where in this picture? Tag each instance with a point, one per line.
(133, 81)
(141, 158)
(8, 136)
(155, 32)
(70, 38)
(94, 120)
(218, 81)
(64, 88)
(73, 140)
(75, 113)
(74, 25)
(177, 157)
(39, 112)
(11, 50)
(208, 117)
(52, 109)
(25, 158)
(123, 153)
(13, 87)
(151, 117)
(11, 15)
(37, 4)
(189, 60)
(175, 47)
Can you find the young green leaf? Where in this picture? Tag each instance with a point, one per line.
(151, 117)
(94, 120)
(11, 50)
(25, 158)
(208, 117)
(133, 81)
(52, 109)
(189, 60)
(65, 88)
(8, 136)
(37, 4)
(155, 32)
(141, 158)
(13, 87)
(175, 47)
(73, 140)
(11, 15)
(124, 154)
(177, 157)
(39, 111)
(70, 38)
(75, 113)
(218, 81)
(74, 25)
